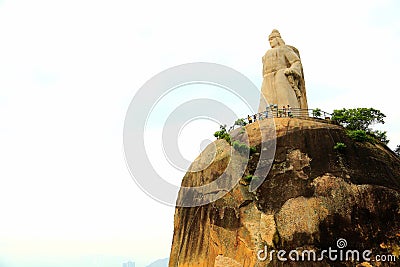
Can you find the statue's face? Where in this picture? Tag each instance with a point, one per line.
(273, 42)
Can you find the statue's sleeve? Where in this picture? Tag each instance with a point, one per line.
(294, 62)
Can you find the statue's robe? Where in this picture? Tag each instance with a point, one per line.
(276, 88)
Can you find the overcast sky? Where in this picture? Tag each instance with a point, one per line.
(69, 69)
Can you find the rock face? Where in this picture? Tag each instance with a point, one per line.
(312, 197)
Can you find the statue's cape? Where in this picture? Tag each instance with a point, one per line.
(294, 50)
(302, 83)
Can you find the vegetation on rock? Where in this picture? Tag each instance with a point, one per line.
(358, 118)
(360, 136)
(243, 148)
(317, 112)
(357, 121)
(380, 135)
(240, 122)
(248, 178)
(223, 134)
(340, 147)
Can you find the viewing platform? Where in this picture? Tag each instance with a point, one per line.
(270, 113)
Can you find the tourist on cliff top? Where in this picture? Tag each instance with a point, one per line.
(249, 119)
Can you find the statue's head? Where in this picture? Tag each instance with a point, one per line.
(275, 39)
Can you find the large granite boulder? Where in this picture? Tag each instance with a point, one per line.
(313, 198)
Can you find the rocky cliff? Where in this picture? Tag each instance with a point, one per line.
(312, 196)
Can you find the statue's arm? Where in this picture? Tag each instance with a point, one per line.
(294, 63)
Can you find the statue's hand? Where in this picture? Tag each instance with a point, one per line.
(288, 72)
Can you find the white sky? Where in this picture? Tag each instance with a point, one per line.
(69, 69)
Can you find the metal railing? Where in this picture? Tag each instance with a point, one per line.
(274, 112)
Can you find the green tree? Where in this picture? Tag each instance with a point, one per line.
(360, 136)
(358, 118)
(223, 134)
(240, 122)
(317, 113)
(380, 135)
(358, 121)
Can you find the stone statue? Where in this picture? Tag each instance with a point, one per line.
(283, 82)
